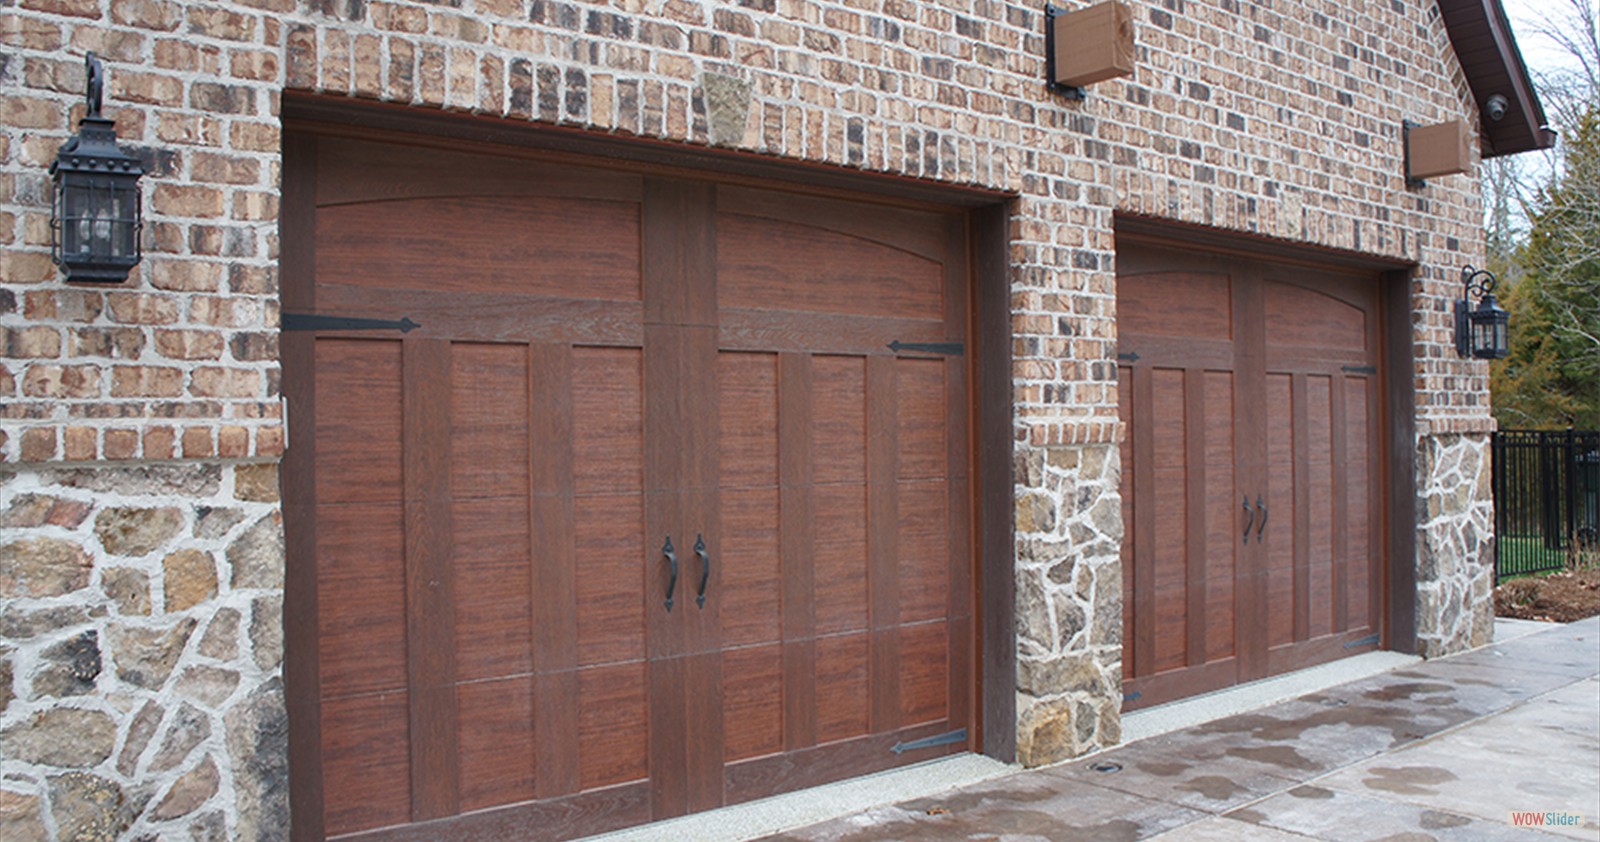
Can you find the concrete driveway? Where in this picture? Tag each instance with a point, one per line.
(1453, 748)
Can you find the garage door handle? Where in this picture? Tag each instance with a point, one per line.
(705, 569)
(672, 569)
(1249, 518)
(1263, 524)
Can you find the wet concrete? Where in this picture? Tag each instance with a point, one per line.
(1442, 750)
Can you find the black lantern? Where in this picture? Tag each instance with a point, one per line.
(1482, 332)
(94, 217)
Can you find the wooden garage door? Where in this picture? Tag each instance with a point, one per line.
(1251, 481)
(614, 377)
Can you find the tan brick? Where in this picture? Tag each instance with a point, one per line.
(214, 168)
(158, 442)
(8, 382)
(74, 8)
(142, 308)
(269, 441)
(141, 381)
(189, 344)
(38, 342)
(186, 200)
(122, 444)
(26, 267)
(189, 129)
(61, 381)
(153, 88)
(215, 382)
(223, 24)
(79, 443)
(27, 112)
(157, 15)
(185, 275)
(38, 444)
(246, 136)
(233, 442)
(255, 65)
(30, 33)
(254, 206)
(188, 56)
(196, 442)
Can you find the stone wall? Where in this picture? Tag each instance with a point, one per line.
(1069, 601)
(1276, 120)
(1455, 544)
(141, 644)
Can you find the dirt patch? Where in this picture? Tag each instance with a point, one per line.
(1560, 597)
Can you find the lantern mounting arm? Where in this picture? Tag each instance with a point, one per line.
(94, 88)
(1479, 281)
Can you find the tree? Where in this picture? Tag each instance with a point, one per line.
(1552, 378)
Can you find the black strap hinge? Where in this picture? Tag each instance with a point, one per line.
(953, 349)
(957, 736)
(313, 321)
(1359, 369)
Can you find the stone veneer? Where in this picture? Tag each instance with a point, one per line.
(141, 421)
(1455, 544)
(141, 647)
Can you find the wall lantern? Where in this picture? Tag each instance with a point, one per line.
(1482, 333)
(1088, 45)
(95, 215)
(1440, 149)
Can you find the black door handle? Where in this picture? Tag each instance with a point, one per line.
(705, 569)
(672, 568)
(1249, 518)
(1263, 524)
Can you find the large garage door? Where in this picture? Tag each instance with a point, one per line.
(1251, 481)
(643, 518)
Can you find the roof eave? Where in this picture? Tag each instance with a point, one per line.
(1497, 69)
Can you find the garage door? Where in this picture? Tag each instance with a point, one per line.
(644, 516)
(1251, 478)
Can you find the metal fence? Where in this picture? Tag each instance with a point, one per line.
(1546, 498)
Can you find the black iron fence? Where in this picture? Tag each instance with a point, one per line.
(1546, 499)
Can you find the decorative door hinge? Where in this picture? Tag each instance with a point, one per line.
(954, 349)
(1359, 369)
(956, 736)
(312, 321)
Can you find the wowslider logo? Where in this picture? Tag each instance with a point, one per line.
(1554, 818)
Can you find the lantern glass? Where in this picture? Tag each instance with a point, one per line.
(1490, 330)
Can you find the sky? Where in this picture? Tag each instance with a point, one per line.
(1538, 52)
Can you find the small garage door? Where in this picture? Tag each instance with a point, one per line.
(645, 516)
(1251, 475)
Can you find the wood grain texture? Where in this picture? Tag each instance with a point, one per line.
(366, 762)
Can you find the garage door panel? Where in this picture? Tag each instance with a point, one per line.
(488, 420)
(607, 420)
(481, 244)
(362, 606)
(490, 557)
(609, 571)
(752, 702)
(358, 398)
(366, 762)
(491, 492)
(612, 725)
(497, 741)
(352, 171)
(1280, 444)
(773, 264)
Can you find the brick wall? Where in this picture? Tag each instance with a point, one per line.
(1280, 119)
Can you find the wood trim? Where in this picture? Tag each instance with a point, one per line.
(780, 773)
(301, 672)
(429, 582)
(345, 116)
(593, 812)
(995, 579)
(1400, 612)
(797, 513)
(883, 532)
(1171, 233)
(1300, 429)
(1196, 512)
(554, 615)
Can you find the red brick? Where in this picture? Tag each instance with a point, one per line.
(38, 444)
(196, 442)
(158, 443)
(26, 112)
(255, 65)
(222, 24)
(30, 33)
(233, 442)
(121, 444)
(214, 168)
(73, 8)
(246, 136)
(269, 441)
(79, 443)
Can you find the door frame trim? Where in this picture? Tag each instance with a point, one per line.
(305, 115)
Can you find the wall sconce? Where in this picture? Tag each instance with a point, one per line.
(1087, 45)
(1482, 333)
(1440, 149)
(95, 213)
